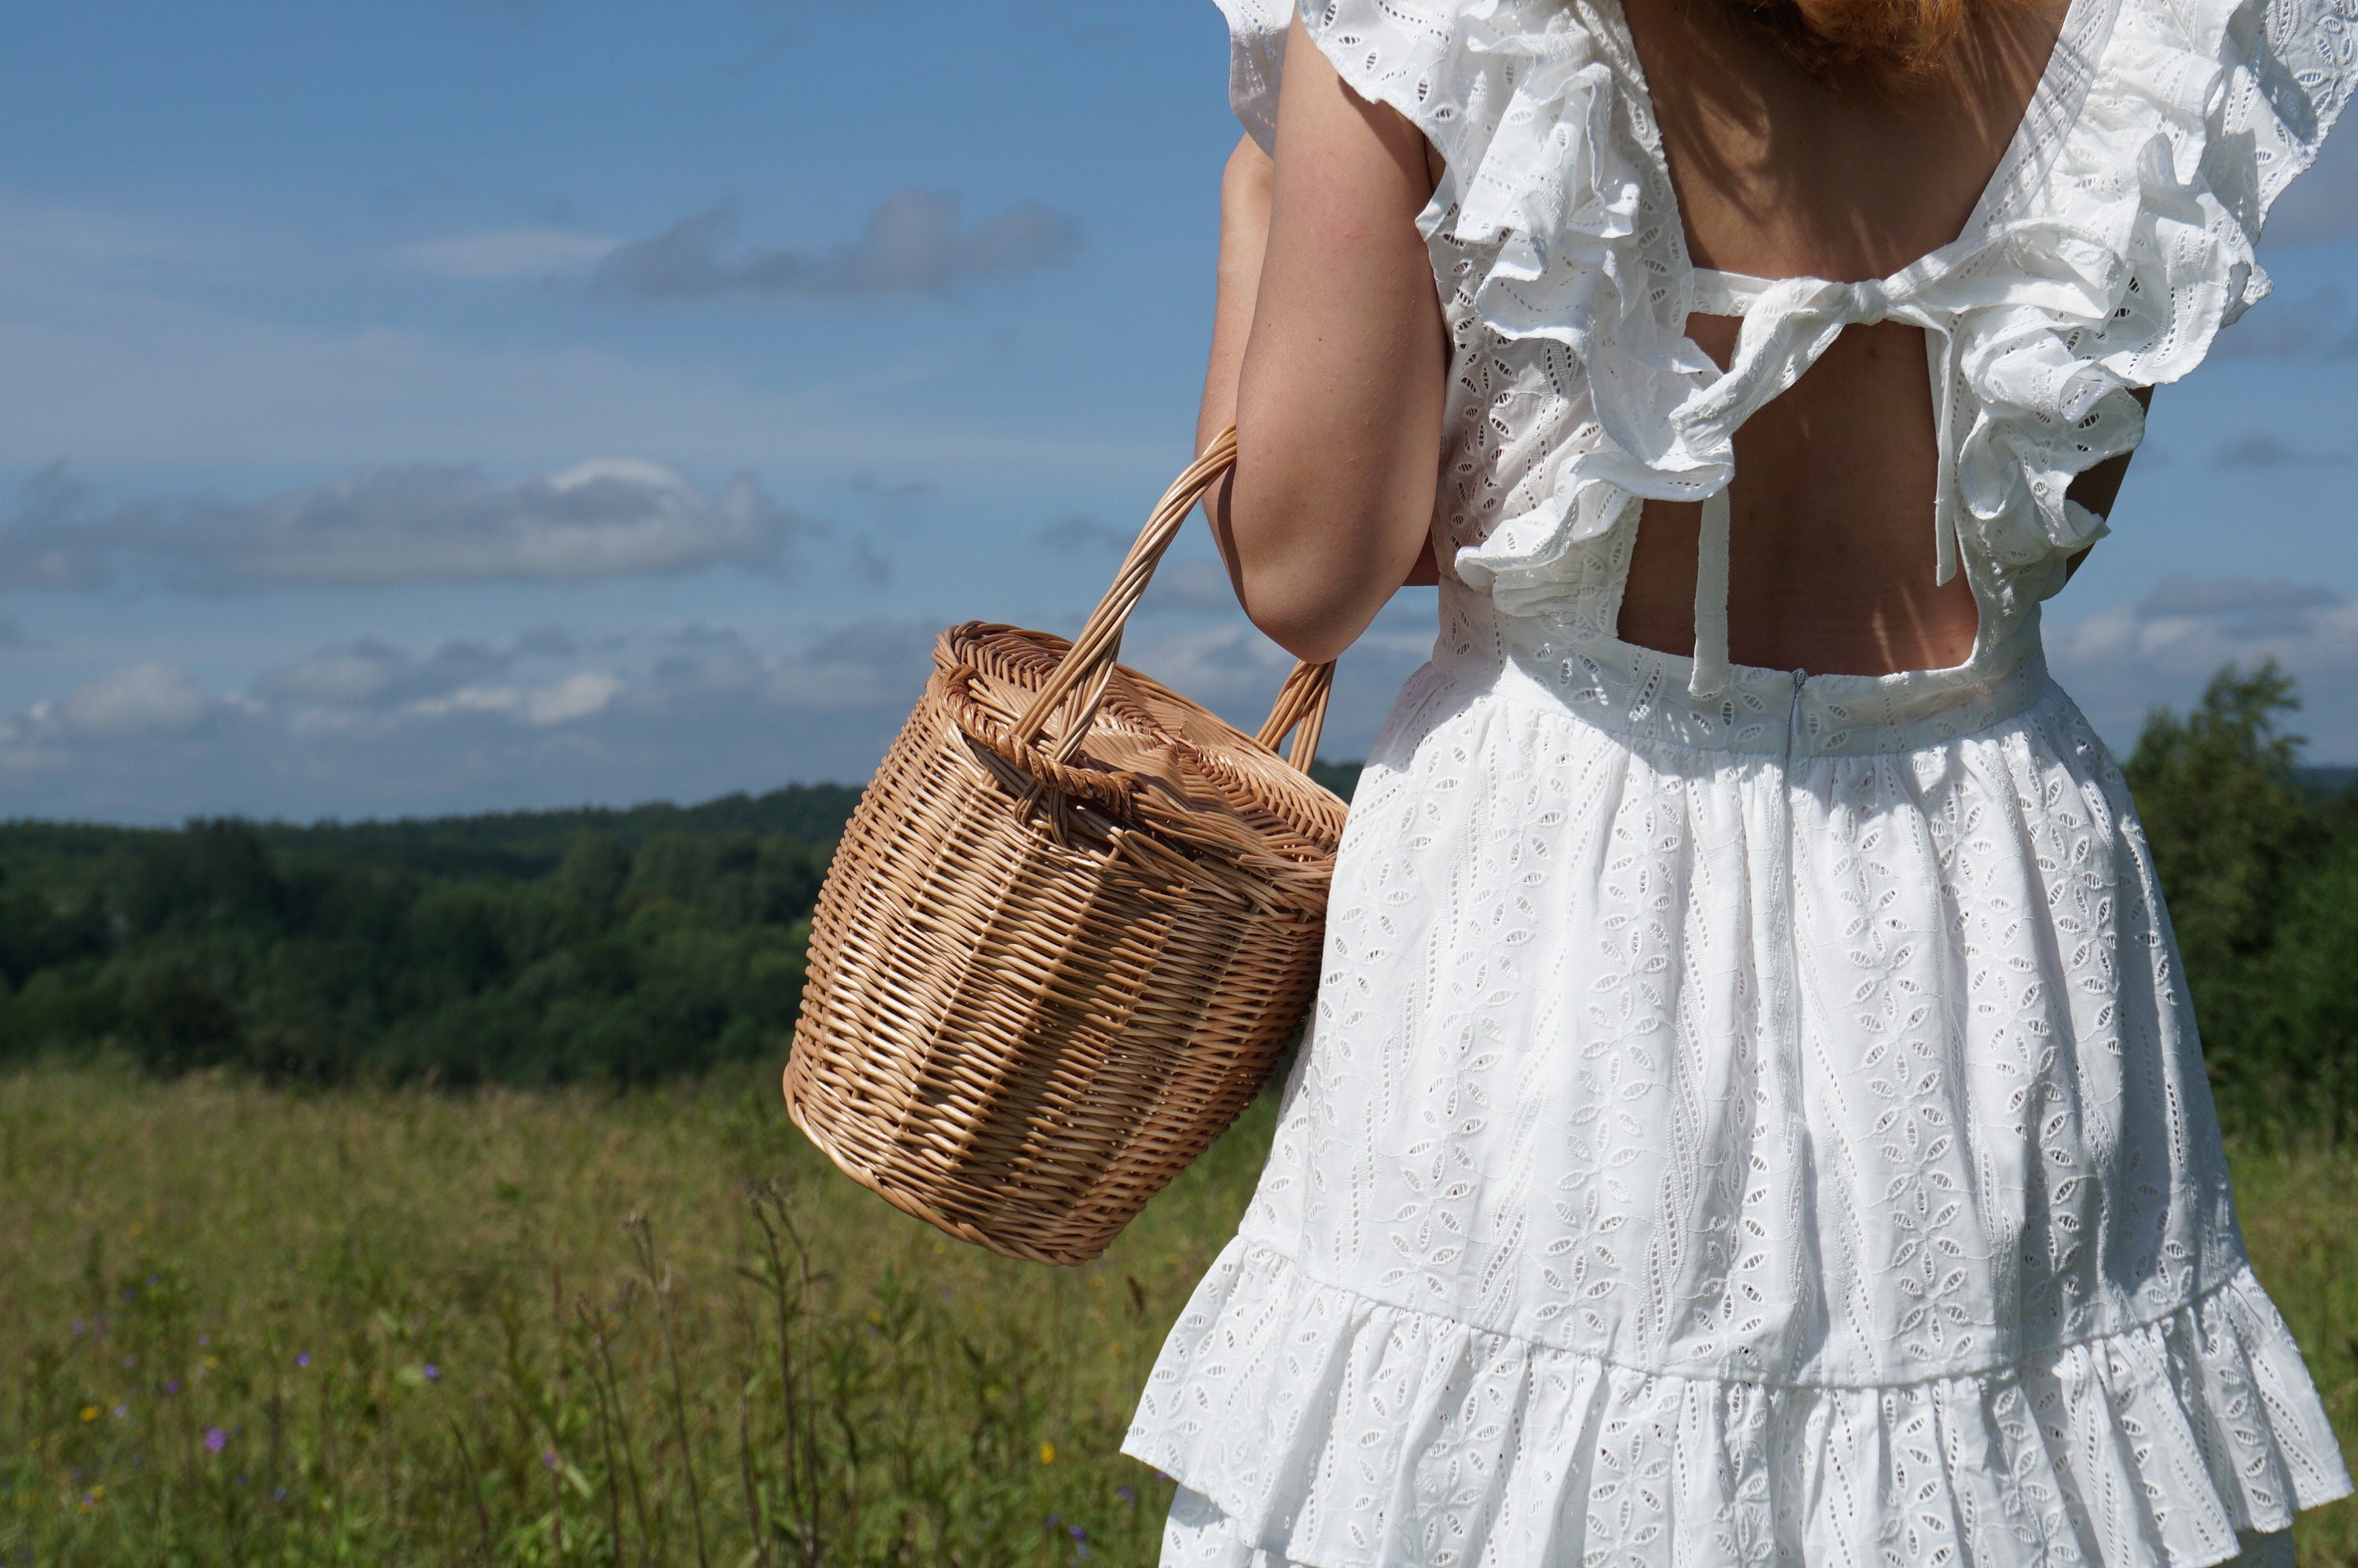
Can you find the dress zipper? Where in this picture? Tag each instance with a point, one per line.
(1794, 722)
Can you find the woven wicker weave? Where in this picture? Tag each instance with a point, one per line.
(1072, 926)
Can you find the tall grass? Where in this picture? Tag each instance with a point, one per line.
(238, 1327)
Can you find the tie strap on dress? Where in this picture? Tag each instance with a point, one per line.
(1788, 324)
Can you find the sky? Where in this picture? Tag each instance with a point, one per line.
(480, 404)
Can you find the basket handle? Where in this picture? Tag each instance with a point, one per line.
(1087, 665)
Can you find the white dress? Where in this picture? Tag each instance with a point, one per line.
(1749, 1117)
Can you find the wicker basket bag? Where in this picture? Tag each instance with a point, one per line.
(1072, 926)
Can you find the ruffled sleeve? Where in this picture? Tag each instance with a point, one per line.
(2123, 264)
(1256, 60)
(1553, 228)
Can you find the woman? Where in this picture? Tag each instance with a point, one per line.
(1752, 1113)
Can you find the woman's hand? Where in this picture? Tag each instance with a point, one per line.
(1330, 354)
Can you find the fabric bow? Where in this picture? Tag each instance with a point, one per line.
(1788, 324)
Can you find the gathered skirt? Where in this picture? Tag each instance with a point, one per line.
(1763, 1130)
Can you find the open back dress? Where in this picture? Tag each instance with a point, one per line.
(1751, 1117)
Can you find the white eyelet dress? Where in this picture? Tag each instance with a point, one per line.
(1753, 1118)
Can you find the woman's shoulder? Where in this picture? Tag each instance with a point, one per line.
(1456, 69)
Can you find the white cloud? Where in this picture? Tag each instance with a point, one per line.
(611, 517)
(372, 728)
(1191, 587)
(373, 672)
(577, 695)
(2121, 662)
(912, 243)
(499, 254)
(144, 699)
(124, 342)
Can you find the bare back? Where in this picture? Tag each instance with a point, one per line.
(1780, 174)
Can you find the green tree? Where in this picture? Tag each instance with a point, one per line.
(2260, 874)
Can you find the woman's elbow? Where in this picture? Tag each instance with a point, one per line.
(1313, 562)
(1314, 633)
(1312, 614)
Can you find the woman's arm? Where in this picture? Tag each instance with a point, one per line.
(1330, 354)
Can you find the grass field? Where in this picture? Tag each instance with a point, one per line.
(386, 1328)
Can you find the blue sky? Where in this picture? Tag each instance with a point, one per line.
(495, 403)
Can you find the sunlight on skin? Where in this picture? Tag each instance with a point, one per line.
(1330, 355)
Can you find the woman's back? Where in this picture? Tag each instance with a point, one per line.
(1847, 173)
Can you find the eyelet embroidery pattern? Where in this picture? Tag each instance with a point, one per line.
(1758, 1120)
(1706, 1155)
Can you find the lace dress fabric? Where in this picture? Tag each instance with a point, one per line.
(1750, 1117)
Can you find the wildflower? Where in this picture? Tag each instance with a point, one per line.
(215, 1440)
(89, 1414)
(173, 1387)
(1047, 1454)
(121, 1410)
(204, 1339)
(433, 1373)
(213, 1363)
(549, 1457)
(279, 1495)
(98, 1493)
(302, 1358)
(1080, 1535)
(1127, 1494)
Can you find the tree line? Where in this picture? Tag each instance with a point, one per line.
(522, 948)
(624, 947)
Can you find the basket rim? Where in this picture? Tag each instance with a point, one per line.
(1313, 812)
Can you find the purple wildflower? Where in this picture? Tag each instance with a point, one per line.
(549, 1457)
(121, 1410)
(215, 1440)
(172, 1387)
(302, 1358)
(1127, 1495)
(433, 1373)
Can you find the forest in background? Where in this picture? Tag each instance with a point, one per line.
(624, 947)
